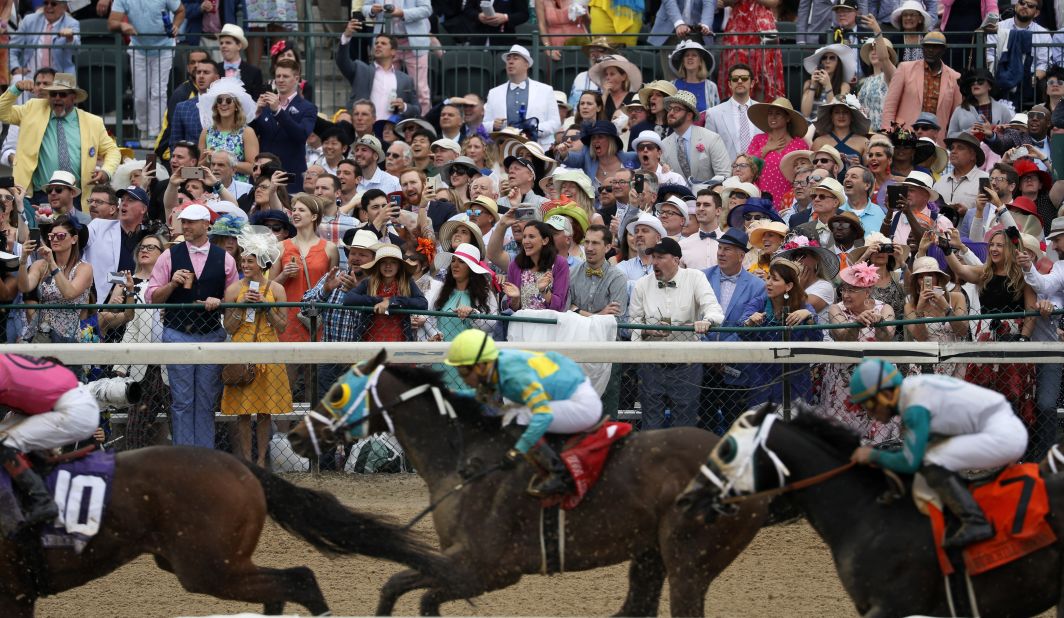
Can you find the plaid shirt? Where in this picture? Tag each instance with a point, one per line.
(337, 324)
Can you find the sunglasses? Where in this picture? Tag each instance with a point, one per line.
(473, 212)
(275, 227)
(60, 95)
(393, 155)
(646, 146)
(1035, 115)
(572, 138)
(1030, 5)
(57, 189)
(459, 171)
(740, 165)
(1052, 81)
(605, 189)
(978, 81)
(822, 196)
(58, 236)
(819, 161)
(751, 216)
(840, 225)
(739, 79)
(225, 101)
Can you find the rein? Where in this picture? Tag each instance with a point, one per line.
(795, 486)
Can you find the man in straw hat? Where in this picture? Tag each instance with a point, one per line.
(906, 94)
(151, 56)
(521, 98)
(231, 41)
(45, 147)
(920, 192)
(696, 153)
(960, 188)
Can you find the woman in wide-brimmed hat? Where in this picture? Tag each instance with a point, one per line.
(830, 68)
(976, 87)
(842, 124)
(932, 294)
(693, 66)
(653, 96)
(911, 21)
(603, 154)
(783, 131)
(577, 186)
(879, 54)
(819, 267)
(617, 77)
(225, 110)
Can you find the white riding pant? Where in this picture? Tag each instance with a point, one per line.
(1002, 441)
(578, 413)
(75, 417)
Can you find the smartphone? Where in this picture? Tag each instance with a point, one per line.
(358, 14)
(929, 282)
(253, 286)
(637, 183)
(6, 182)
(897, 196)
(1022, 152)
(149, 161)
(116, 278)
(189, 173)
(984, 184)
(525, 213)
(35, 236)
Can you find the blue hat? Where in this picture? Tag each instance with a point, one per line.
(601, 127)
(753, 205)
(736, 237)
(682, 191)
(378, 126)
(872, 376)
(136, 193)
(261, 217)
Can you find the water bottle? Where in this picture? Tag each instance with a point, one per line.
(521, 111)
(168, 24)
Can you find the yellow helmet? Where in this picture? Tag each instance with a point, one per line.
(471, 347)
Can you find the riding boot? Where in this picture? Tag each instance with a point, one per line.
(955, 496)
(557, 480)
(41, 507)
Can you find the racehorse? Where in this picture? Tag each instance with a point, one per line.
(199, 512)
(883, 550)
(490, 528)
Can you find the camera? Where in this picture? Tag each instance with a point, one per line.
(887, 248)
(116, 391)
(116, 278)
(389, 9)
(525, 212)
(189, 173)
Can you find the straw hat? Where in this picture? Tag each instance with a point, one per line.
(732, 184)
(597, 73)
(928, 266)
(758, 113)
(600, 42)
(941, 156)
(921, 180)
(236, 32)
(790, 161)
(860, 275)
(65, 82)
(832, 152)
(846, 56)
(451, 226)
(866, 51)
(660, 85)
(833, 187)
(757, 235)
(575, 176)
(63, 178)
(386, 251)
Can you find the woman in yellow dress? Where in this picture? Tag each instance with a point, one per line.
(268, 393)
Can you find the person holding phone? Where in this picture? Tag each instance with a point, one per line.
(284, 120)
(931, 294)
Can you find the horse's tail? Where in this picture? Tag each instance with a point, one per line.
(321, 520)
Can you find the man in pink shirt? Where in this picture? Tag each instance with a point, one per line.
(194, 271)
(49, 409)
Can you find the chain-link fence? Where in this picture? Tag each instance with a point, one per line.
(782, 360)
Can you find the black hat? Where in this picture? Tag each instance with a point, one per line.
(681, 191)
(844, 4)
(523, 161)
(601, 127)
(667, 245)
(736, 238)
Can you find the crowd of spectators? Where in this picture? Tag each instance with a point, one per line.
(903, 182)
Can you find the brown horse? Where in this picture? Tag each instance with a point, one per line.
(199, 513)
(490, 528)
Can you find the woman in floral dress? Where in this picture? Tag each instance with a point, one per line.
(224, 112)
(766, 62)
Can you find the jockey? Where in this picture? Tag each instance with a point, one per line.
(49, 409)
(557, 396)
(980, 429)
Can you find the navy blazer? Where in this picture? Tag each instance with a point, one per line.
(186, 123)
(748, 287)
(285, 135)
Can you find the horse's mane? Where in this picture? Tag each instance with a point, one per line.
(466, 408)
(828, 430)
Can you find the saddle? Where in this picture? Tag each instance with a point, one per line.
(585, 455)
(1014, 501)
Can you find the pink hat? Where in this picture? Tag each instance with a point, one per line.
(860, 275)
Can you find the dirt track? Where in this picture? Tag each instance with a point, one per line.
(786, 571)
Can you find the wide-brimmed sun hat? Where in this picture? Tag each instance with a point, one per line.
(757, 235)
(847, 57)
(921, 180)
(790, 161)
(66, 82)
(597, 73)
(860, 124)
(676, 57)
(450, 226)
(969, 140)
(226, 86)
(576, 176)
(866, 51)
(758, 114)
(829, 262)
(471, 255)
(386, 251)
(659, 85)
(753, 206)
(910, 5)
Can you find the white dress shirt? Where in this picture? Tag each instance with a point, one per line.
(383, 91)
(699, 253)
(690, 300)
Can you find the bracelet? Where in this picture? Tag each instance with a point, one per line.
(55, 272)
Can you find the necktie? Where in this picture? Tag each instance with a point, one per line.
(46, 41)
(704, 235)
(64, 151)
(593, 272)
(744, 128)
(666, 284)
(685, 165)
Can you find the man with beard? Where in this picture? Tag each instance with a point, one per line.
(417, 195)
(45, 147)
(908, 94)
(368, 155)
(697, 154)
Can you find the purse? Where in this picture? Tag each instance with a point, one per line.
(241, 374)
(304, 312)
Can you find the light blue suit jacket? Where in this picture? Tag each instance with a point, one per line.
(747, 287)
(689, 12)
(62, 50)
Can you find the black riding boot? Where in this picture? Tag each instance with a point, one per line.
(557, 482)
(41, 507)
(956, 497)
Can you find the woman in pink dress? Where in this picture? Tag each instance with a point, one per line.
(784, 131)
(767, 62)
(561, 22)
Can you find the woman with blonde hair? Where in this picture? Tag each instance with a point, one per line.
(693, 66)
(482, 152)
(268, 393)
(617, 77)
(225, 110)
(576, 185)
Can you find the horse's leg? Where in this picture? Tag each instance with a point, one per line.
(646, 574)
(253, 584)
(434, 597)
(398, 585)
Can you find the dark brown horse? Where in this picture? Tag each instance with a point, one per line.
(199, 513)
(490, 529)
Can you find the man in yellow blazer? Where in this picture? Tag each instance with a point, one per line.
(54, 134)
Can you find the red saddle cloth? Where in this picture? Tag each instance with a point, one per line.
(1016, 504)
(585, 457)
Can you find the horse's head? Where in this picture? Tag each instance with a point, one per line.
(739, 464)
(343, 415)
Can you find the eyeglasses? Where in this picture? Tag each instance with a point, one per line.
(473, 212)
(753, 216)
(58, 236)
(6, 198)
(225, 100)
(740, 165)
(826, 161)
(96, 202)
(1030, 5)
(800, 183)
(605, 189)
(275, 227)
(739, 79)
(149, 248)
(679, 109)
(57, 189)
(262, 188)
(619, 184)
(668, 213)
(1052, 81)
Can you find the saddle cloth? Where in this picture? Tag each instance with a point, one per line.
(585, 456)
(1015, 502)
(81, 488)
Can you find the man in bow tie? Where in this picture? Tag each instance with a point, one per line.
(506, 101)
(678, 297)
(194, 271)
(700, 250)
